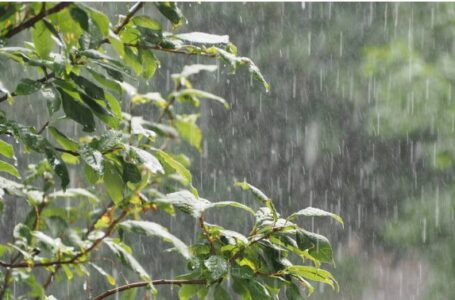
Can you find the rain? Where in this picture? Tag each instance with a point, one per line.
(359, 121)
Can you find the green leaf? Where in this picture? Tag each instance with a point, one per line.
(149, 62)
(74, 193)
(113, 182)
(42, 39)
(133, 60)
(293, 292)
(217, 266)
(254, 190)
(77, 111)
(6, 149)
(27, 86)
(240, 287)
(313, 273)
(186, 202)
(93, 158)
(194, 69)
(155, 229)
(100, 19)
(126, 258)
(88, 86)
(220, 293)
(177, 166)
(63, 140)
(111, 84)
(146, 22)
(138, 127)
(150, 162)
(188, 130)
(10, 169)
(187, 291)
(315, 212)
(180, 95)
(258, 290)
(80, 16)
(109, 278)
(171, 12)
(203, 38)
(131, 173)
(232, 204)
(155, 98)
(319, 246)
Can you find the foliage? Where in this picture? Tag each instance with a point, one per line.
(86, 69)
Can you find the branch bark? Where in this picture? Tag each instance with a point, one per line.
(146, 283)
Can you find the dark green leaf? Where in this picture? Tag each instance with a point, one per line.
(77, 111)
(80, 16)
(27, 87)
(114, 183)
(171, 12)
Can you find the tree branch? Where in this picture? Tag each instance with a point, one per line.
(146, 283)
(41, 80)
(30, 22)
(136, 7)
(74, 259)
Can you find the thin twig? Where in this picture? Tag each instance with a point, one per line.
(146, 283)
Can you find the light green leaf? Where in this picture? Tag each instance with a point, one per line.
(146, 22)
(42, 39)
(6, 149)
(177, 166)
(10, 169)
(312, 273)
(155, 229)
(188, 130)
(63, 140)
(101, 21)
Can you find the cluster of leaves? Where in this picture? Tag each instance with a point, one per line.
(81, 65)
